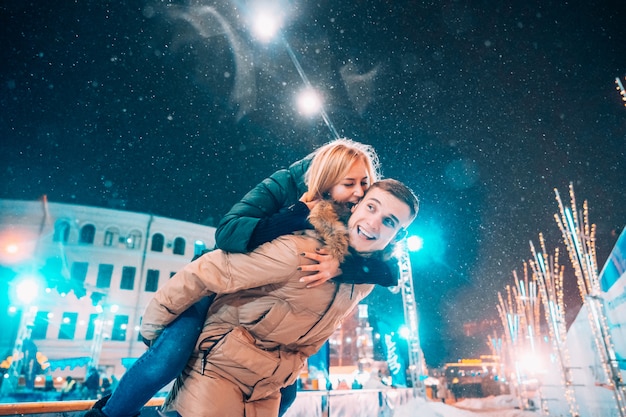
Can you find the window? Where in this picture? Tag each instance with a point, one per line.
(87, 233)
(198, 247)
(79, 271)
(133, 240)
(105, 271)
(172, 274)
(53, 270)
(78, 275)
(40, 325)
(120, 323)
(111, 236)
(67, 329)
(157, 242)
(61, 231)
(128, 278)
(179, 246)
(152, 280)
(91, 326)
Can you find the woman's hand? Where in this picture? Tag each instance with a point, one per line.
(326, 267)
(310, 203)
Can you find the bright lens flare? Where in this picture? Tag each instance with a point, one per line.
(414, 243)
(531, 364)
(27, 290)
(265, 26)
(404, 332)
(309, 103)
(16, 246)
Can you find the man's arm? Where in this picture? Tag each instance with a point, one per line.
(219, 272)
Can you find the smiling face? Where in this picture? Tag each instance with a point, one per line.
(352, 187)
(376, 221)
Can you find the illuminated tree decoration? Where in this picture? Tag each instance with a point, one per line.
(580, 239)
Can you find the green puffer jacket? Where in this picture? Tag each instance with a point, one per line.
(282, 189)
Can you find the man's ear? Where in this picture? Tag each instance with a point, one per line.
(400, 235)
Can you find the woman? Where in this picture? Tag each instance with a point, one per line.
(340, 170)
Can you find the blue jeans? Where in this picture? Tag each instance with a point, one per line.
(163, 362)
(160, 364)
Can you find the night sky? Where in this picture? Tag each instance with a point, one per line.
(482, 107)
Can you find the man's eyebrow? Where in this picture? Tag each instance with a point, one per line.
(395, 219)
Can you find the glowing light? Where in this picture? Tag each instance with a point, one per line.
(414, 243)
(531, 364)
(27, 290)
(265, 19)
(309, 102)
(12, 248)
(404, 332)
(266, 26)
(115, 308)
(16, 246)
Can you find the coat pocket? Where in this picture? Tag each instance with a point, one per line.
(237, 358)
(270, 322)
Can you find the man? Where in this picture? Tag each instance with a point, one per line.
(262, 325)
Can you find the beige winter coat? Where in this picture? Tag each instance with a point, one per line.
(262, 325)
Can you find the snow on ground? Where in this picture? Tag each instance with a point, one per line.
(501, 406)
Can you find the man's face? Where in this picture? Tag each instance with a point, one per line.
(376, 220)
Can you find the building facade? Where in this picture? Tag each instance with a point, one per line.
(96, 269)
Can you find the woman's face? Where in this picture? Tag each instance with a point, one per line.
(352, 187)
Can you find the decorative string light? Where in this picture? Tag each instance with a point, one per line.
(581, 246)
(620, 88)
(549, 277)
(520, 315)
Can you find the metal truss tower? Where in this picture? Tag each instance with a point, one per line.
(417, 367)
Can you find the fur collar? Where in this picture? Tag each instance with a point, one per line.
(329, 220)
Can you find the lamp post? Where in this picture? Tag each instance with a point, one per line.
(266, 26)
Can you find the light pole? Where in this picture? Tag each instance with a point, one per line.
(266, 26)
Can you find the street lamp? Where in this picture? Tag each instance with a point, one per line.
(309, 102)
(266, 23)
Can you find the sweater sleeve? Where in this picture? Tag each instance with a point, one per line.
(360, 270)
(285, 221)
(267, 198)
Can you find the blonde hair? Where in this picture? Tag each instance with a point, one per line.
(331, 163)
